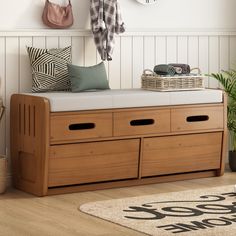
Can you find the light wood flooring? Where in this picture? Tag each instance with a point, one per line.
(22, 214)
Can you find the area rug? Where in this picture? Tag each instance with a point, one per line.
(207, 212)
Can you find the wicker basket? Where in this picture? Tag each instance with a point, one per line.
(151, 81)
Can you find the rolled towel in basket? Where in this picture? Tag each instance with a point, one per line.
(164, 69)
(178, 67)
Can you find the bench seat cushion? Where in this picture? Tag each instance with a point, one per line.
(125, 98)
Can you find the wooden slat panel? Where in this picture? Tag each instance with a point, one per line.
(52, 42)
(193, 52)
(204, 56)
(137, 66)
(232, 52)
(161, 57)
(78, 51)
(25, 67)
(114, 66)
(126, 62)
(149, 52)
(224, 56)
(182, 49)
(90, 55)
(177, 154)
(171, 51)
(39, 42)
(213, 59)
(106, 63)
(64, 41)
(12, 79)
(93, 162)
(224, 53)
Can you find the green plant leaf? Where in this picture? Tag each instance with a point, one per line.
(228, 81)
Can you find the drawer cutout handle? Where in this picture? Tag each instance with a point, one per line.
(197, 118)
(81, 126)
(142, 122)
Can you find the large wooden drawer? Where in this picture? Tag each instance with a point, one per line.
(93, 162)
(196, 118)
(141, 122)
(181, 153)
(80, 126)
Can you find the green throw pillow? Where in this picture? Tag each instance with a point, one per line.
(88, 78)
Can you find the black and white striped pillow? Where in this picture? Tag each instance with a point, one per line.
(49, 69)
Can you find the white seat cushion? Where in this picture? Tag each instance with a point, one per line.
(124, 98)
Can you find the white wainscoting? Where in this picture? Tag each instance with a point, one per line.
(210, 51)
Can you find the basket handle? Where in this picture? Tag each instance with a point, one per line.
(196, 68)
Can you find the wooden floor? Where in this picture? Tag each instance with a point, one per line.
(24, 214)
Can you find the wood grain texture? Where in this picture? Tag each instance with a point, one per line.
(30, 143)
(178, 154)
(123, 126)
(129, 60)
(180, 122)
(93, 162)
(59, 215)
(60, 124)
(96, 161)
(131, 183)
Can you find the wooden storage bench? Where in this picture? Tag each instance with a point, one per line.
(64, 143)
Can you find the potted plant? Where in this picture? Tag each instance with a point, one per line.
(3, 161)
(228, 80)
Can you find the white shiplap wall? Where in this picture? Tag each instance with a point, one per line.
(134, 51)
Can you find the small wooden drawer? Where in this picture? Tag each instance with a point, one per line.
(80, 126)
(196, 118)
(181, 153)
(93, 162)
(141, 122)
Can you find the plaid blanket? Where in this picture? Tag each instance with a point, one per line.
(106, 20)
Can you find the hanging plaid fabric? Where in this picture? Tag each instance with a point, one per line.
(106, 20)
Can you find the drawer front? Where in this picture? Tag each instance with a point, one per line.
(93, 162)
(188, 119)
(141, 122)
(181, 153)
(80, 126)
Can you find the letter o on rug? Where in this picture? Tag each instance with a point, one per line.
(213, 222)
